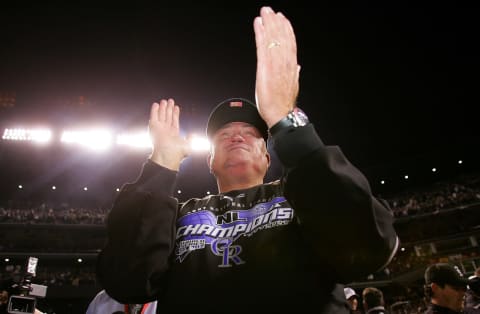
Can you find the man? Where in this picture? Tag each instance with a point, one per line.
(445, 288)
(102, 303)
(472, 295)
(3, 301)
(278, 247)
(373, 302)
(352, 299)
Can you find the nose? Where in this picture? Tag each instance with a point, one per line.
(237, 137)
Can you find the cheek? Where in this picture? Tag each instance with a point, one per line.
(262, 152)
(212, 158)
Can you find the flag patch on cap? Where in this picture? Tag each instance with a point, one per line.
(236, 104)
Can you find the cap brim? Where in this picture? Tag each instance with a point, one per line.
(459, 283)
(242, 111)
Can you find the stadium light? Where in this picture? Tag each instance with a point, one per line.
(141, 140)
(33, 135)
(99, 139)
(198, 143)
(137, 140)
(95, 139)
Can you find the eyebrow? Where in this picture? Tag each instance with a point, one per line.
(243, 125)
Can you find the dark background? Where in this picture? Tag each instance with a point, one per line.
(393, 83)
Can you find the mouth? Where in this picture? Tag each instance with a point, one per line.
(236, 147)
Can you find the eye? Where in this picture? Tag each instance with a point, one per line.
(224, 134)
(250, 132)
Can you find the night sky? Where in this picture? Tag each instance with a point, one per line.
(388, 83)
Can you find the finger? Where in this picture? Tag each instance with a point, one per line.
(288, 26)
(268, 16)
(288, 33)
(273, 25)
(162, 111)
(169, 111)
(260, 38)
(259, 31)
(176, 117)
(154, 112)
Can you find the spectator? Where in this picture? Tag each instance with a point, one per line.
(102, 303)
(352, 299)
(3, 301)
(373, 302)
(472, 295)
(445, 288)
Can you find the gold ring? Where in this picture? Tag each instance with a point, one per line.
(273, 44)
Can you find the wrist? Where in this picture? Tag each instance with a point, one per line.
(294, 119)
(166, 160)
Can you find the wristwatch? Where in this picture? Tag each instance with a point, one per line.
(295, 118)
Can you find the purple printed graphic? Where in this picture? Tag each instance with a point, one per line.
(201, 228)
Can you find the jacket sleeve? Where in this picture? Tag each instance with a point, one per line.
(140, 237)
(347, 227)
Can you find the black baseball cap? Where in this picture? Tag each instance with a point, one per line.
(235, 110)
(444, 273)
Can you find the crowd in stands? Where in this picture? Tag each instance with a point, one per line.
(409, 261)
(52, 276)
(440, 196)
(53, 215)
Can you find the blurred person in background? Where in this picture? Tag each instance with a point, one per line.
(445, 288)
(102, 303)
(472, 295)
(3, 301)
(352, 299)
(373, 302)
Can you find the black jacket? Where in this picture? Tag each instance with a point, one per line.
(437, 309)
(277, 247)
(377, 310)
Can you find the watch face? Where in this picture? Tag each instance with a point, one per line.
(300, 117)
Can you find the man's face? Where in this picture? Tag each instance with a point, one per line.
(3, 297)
(238, 148)
(353, 303)
(449, 296)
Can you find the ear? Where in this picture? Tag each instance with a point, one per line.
(209, 159)
(267, 155)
